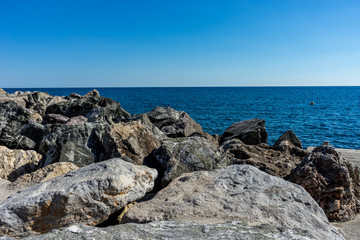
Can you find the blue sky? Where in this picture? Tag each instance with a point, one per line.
(179, 43)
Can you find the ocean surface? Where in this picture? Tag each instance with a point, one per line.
(335, 116)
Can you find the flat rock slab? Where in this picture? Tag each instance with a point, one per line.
(176, 230)
(235, 193)
(350, 229)
(88, 196)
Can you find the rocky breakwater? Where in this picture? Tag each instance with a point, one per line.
(72, 166)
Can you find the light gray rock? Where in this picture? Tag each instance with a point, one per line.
(177, 230)
(85, 196)
(235, 193)
(5, 190)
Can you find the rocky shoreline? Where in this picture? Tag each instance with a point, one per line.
(81, 167)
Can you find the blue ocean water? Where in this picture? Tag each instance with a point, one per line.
(335, 117)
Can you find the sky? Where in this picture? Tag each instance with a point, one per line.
(62, 43)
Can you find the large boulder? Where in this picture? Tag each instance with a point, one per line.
(277, 161)
(96, 109)
(235, 193)
(130, 139)
(290, 137)
(14, 163)
(80, 144)
(178, 230)
(251, 132)
(182, 155)
(12, 118)
(332, 181)
(173, 123)
(88, 196)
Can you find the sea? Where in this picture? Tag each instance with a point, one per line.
(334, 117)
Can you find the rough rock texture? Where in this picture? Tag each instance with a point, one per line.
(77, 120)
(33, 130)
(12, 118)
(251, 132)
(173, 123)
(4, 190)
(52, 118)
(290, 137)
(42, 175)
(131, 139)
(332, 181)
(80, 144)
(93, 93)
(182, 155)
(94, 108)
(235, 193)
(85, 196)
(277, 161)
(177, 230)
(14, 163)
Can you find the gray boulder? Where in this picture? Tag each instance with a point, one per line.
(173, 123)
(88, 196)
(80, 144)
(235, 193)
(178, 230)
(290, 137)
(182, 155)
(332, 181)
(251, 132)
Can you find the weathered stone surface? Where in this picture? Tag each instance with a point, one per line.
(55, 100)
(131, 139)
(251, 132)
(14, 163)
(80, 144)
(93, 93)
(173, 123)
(85, 196)
(2, 91)
(34, 131)
(277, 161)
(235, 193)
(290, 137)
(108, 109)
(350, 229)
(42, 175)
(177, 230)
(12, 118)
(55, 118)
(77, 120)
(182, 155)
(332, 181)
(5, 191)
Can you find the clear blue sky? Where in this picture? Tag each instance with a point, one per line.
(60, 43)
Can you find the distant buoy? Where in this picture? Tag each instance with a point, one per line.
(312, 103)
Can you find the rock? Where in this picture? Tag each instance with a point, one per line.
(77, 120)
(2, 92)
(52, 118)
(183, 155)
(108, 110)
(251, 132)
(350, 229)
(85, 196)
(131, 139)
(5, 191)
(173, 123)
(34, 131)
(178, 230)
(332, 181)
(55, 100)
(290, 137)
(12, 118)
(235, 193)
(75, 95)
(14, 163)
(93, 93)
(80, 144)
(42, 175)
(38, 101)
(277, 161)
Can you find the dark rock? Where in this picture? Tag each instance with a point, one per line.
(173, 123)
(235, 193)
(251, 132)
(277, 161)
(80, 144)
(182, 155)
(130, 139)
(110, 110)
(34, 131)
(52, 118)
(75, 95)
(290, 137)
(332, 181)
